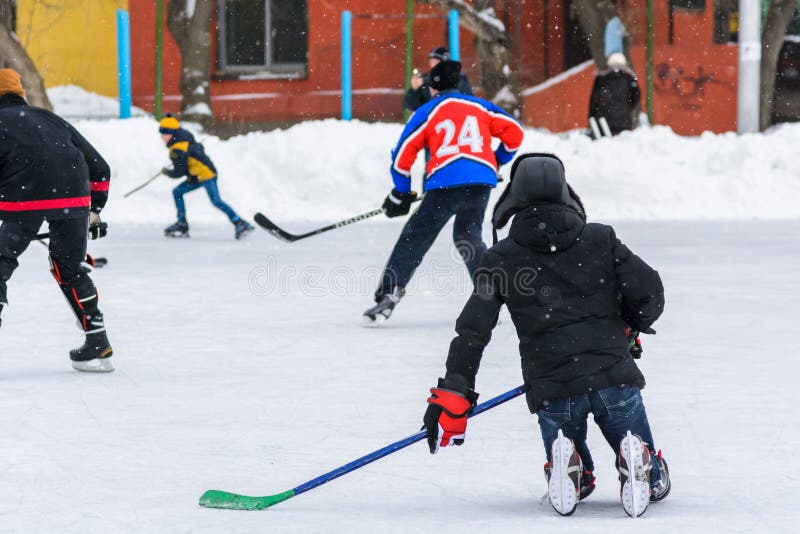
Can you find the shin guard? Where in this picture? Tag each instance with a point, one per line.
(81, 295)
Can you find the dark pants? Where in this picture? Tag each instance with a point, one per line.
(616, 410)
(467, 203)
(67, 252)
(213, 195)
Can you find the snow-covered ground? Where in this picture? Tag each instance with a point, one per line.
(242, 366)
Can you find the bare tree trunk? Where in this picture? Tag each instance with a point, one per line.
(192, 32)
(593, 15)
(494, 56)
(493, 47)
(778, 18)
(13, 56)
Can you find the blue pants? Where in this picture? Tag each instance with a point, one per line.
(213, 196)
(467, 203)
(616, 410)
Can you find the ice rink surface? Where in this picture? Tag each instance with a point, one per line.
(243, 366)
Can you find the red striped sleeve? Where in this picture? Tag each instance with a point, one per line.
(99, 186)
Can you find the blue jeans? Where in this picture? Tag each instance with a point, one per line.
(213, 196)
(616, 410)
(467, 203)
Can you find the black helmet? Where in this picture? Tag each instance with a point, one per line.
(445, 75)
(440, 53)
(535, 179)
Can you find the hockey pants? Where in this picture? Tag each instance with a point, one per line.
(467, 204)
(68, 239)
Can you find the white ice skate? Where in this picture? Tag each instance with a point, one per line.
(634, 475)
(563, 479)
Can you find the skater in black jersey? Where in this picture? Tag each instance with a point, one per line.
(49, 172)
(577, 296)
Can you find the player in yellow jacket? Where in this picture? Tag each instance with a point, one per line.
(189, 159)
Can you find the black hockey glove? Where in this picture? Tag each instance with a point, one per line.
(634, 343)
(97, 228)
(445, 420)
(165, 171)
(397, 203)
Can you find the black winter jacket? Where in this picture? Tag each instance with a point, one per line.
(46, 167)
(416, 98)
(617, 97)
(570, 288)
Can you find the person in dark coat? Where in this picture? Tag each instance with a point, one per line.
(574, 291)
(49, 172)
(616, 95)
(420, 91)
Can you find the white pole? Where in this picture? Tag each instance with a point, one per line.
(748, 102)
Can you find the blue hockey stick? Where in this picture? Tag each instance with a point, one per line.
(233, 501)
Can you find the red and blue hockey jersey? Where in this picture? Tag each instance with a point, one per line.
(457, 130)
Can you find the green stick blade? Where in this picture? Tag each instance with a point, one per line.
(233, 501)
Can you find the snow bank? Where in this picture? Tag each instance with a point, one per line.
(327, 170)
(76, 102)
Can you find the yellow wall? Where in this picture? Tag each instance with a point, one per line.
(72, 41)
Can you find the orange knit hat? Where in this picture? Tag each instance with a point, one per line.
(10, 82)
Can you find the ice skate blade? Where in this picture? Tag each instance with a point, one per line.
(94, 366)
(635, 493)
(176, 235)
(561, 490)
(370, 322)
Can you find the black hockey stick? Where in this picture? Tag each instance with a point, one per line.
(280, 233)
(91, 260)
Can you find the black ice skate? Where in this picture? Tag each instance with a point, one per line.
(94, 356)
(634, 475)
(243, 228)
(378, 314)
(659, 489)
(179, 229)
(564, 476)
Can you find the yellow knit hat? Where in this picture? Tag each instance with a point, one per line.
(168, 124)
(10, 82)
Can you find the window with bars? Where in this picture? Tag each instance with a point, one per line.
(696, 5)
(262, 38)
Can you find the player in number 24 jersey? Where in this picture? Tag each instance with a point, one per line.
(457, 132)
(457, 129)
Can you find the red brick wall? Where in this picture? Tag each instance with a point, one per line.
(695, 80)
(378, 65)
(694, 87)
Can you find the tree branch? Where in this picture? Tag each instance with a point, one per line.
(485, 26)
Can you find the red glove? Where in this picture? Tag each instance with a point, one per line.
(446, 417)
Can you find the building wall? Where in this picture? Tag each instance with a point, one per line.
(378, 65)
(694, 80)
(695, 86)
(72, 41)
